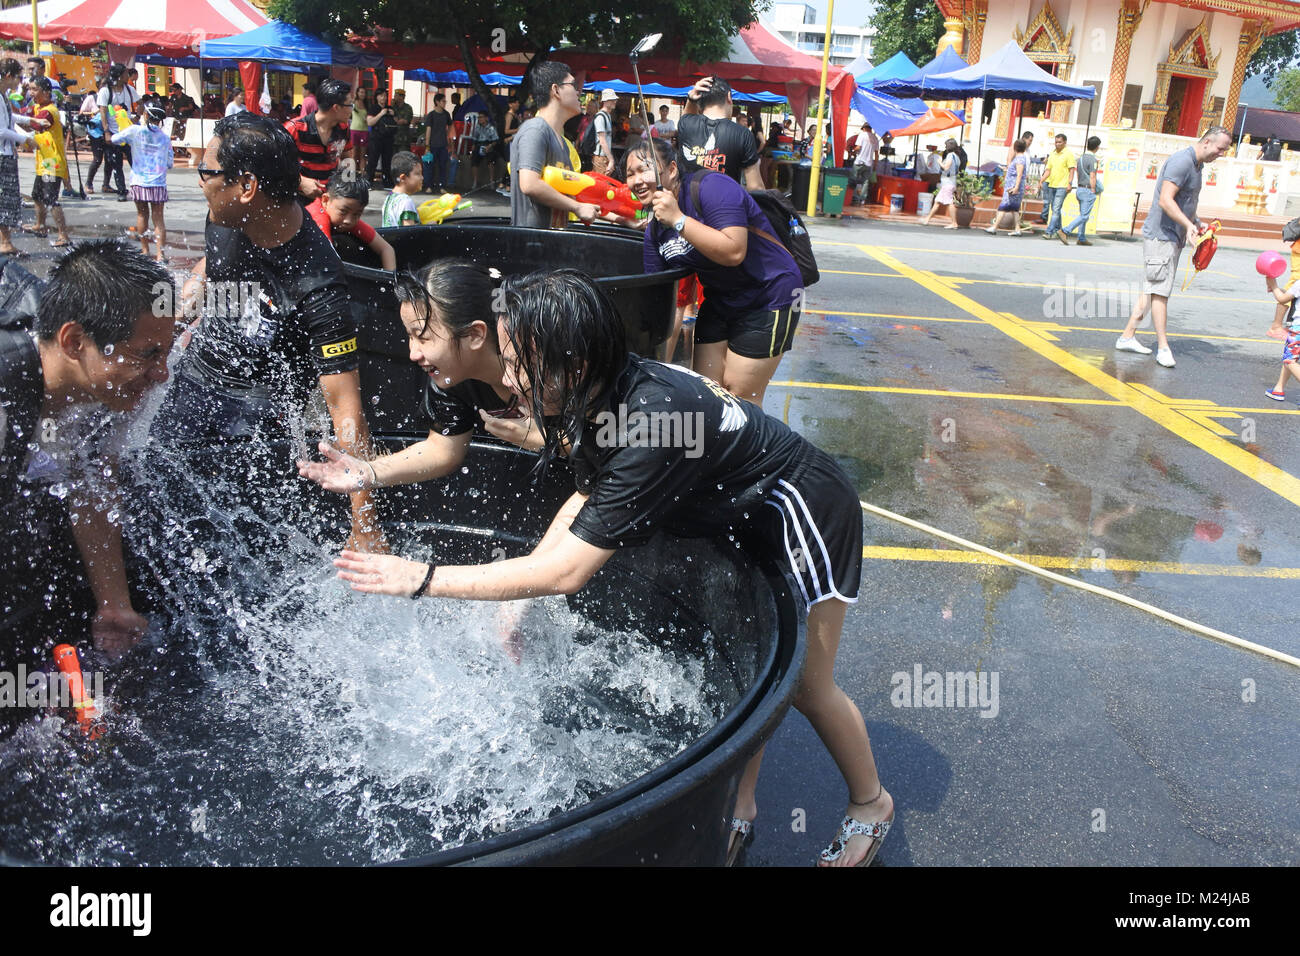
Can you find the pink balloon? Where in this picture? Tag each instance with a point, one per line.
(1270, 264)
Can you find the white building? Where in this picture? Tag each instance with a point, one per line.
(798, 23)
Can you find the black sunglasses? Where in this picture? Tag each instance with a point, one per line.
(205, 173)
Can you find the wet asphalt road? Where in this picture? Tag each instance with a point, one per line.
(1117, 738)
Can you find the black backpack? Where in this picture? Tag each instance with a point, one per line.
(788, 230)
(20, 295)
(1291, 231)
(587, 148)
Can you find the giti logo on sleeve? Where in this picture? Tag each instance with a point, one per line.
(335, 349)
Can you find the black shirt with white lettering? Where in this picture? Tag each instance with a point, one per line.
(675, 451)
(721, 145)
(276, 319)
(455, 410)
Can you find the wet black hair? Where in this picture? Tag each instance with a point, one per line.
(348, 185)
(546, 76)
(104, 286)
(116, 72)
(43, 84)
(717, 93)
(331, 93)
(10, 67)
(262, 147)
(454, 292)
(566, 333)
(404, 163)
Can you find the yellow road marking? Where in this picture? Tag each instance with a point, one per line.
(1047, 326)
(1190, 427)
(944, 556)
(1011, 255)
(1198, 407)
(963, 280)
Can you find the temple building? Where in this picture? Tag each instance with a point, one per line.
(1170, 66)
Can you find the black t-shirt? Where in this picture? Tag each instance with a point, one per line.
(674, 451)
(721, 145)
(437, 121)
(22, 390)
(387, 126)
(456, 410)
(290, 320)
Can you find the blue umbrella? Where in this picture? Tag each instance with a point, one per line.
(884, 112)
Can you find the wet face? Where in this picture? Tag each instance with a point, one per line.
(516, 379)
(438, 353)
(343, 213)
(223, 196)
(120, 375)
(641, 177)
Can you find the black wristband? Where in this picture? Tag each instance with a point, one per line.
(428, 576)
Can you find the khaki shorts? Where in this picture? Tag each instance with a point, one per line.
(1160, 266)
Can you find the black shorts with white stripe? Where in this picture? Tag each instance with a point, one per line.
(813, 522)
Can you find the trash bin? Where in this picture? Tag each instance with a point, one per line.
(800, 182)
(896, 203)
(835, 185)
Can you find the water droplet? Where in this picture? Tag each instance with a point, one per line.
(464, 469)
(108, 349)
(668, 398)
(113, 515)
(374, 399)
(59, 490)
(719, 487)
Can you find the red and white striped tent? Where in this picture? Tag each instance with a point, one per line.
(172, 27)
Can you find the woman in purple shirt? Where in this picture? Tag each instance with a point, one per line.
(706, 222)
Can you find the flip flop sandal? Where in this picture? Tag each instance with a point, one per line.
(849, 828)
(742, 835)
(61, 243)
(33, 231)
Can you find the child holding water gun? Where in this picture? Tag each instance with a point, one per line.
(339, 209)
(1291, 345)
(399, 206)
(151, 157)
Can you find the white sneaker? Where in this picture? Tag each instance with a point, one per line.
(1131, 345)
(1165, 357)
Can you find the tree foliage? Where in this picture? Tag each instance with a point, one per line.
(698, 30)
(1275, 54)
(1286, 89)
(913, 26)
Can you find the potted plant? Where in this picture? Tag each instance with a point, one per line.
(970, 190)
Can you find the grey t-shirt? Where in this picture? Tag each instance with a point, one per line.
(1184, 171)
(535, 146)
(1087, 162)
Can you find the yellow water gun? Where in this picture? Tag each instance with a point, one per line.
(437, 209)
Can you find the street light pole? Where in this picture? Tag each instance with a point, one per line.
(1245, 108)
(814, 178)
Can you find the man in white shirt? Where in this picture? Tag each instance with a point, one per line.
(664, 128)
(604, 121)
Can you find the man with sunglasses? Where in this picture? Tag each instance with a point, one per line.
(323, 138)
(540, 143)
(276, 321)
(97, 343)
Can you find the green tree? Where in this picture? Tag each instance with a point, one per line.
(913, 26)
(1275, 54)
(697, 30)
(1286, 88)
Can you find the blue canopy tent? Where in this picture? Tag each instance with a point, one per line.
(910, 84)
(460, 78)
(195, 63)
(1007, 75)
(679, 92)
(280, 42)
(882, 110)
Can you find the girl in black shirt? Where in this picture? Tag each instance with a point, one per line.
(734, 468)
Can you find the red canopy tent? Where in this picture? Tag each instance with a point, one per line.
(760, 60)
(169, 27)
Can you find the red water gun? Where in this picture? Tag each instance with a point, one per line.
(607, 195)
(65, 659)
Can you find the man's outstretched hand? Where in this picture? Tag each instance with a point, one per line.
(116, 630)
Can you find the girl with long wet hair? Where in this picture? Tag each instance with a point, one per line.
(747, 475)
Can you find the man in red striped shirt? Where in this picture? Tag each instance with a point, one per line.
(323, 137)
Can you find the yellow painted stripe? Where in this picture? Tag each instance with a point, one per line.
(963, 280)
(1198, 405)
(943, 556)
(1100, 264)
(1276, 480)
(947, 394)
(1258, 340)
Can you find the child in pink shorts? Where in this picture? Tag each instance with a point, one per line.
(1290, 347)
